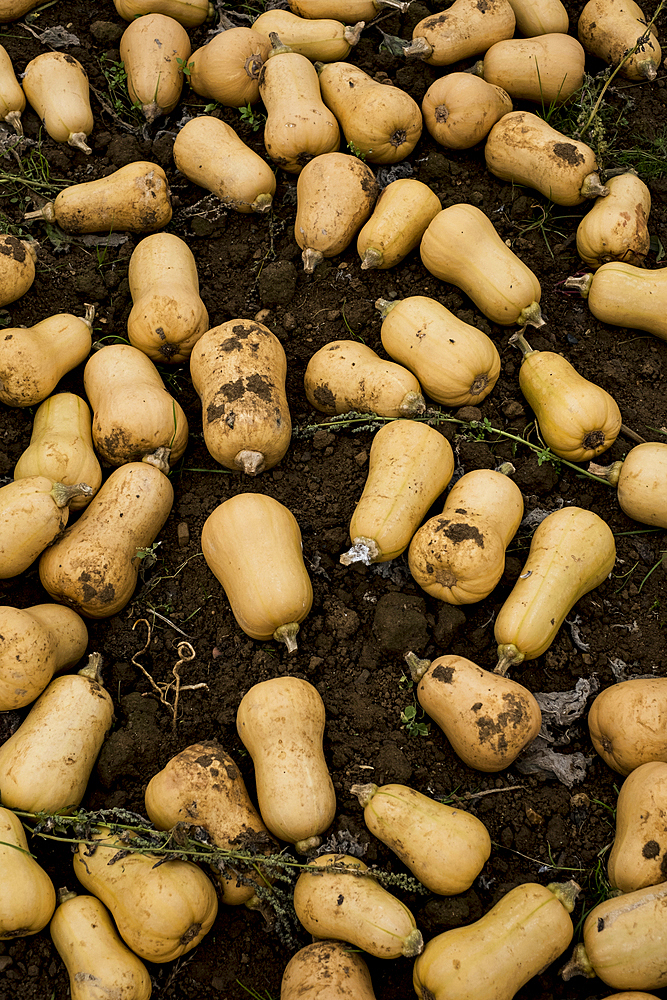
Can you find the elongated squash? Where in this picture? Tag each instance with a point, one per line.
(227, 68)
(616, 228)
(322, 39)
(571, 553)
(637, 856)
(34, 359)
(463, 30)
(154, 50)
(189, 13)
(640, 480)
(28, 898)
(540, 17)
(343, 10)
(610, 30)
(624, 295)
(461, 109)
(400, 217)
(56, 85)
(547, 69)
(12, 97)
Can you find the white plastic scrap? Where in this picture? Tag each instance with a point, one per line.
(58, 37)
(540, 759)
(538, 514)
(562, 708)
(576, 634)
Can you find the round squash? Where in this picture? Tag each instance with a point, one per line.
(252, 545)
(608, 30)
(461, 109)
(463, 30)
(616, 228)
(547, 69)
(640, 480)
(638, 856)
(281, 724)
(12, 97)
(227, 68)
(28, 898)
(56, 85)
(326, 970)
(402, 212)
(154, 50)
(17, 269)
(627, 723)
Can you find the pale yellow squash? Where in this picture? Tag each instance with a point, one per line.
(321, 39)
(324, 966)
(12, 97)
(189, 13)
(12, 10)
(637, 856)
(154, 50)
(609, 30)
(33, 359)
(28, 898)
(540, 17)
(640, 480)
(547, 69)
(462, 30)
(348, 11)
(56, 86)
(227, 68)
(17, 269)
(401, 215)
(624, 295)
(627, 723)
(461, 109)
(616, 228)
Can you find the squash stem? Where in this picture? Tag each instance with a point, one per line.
(311, 258)
(352, 33)
(250, 462)
(89, 316)
(277, 47)
(508, 656)
(518, 340)
(78, 140)
(309, 844)
(385, 306)
(363, 550)
(401, 5)
(417, 666)
(159, 458)
(63, 494)
(372, 258)
(581, 285)
(593, 187)
(565, 892)
(64, 894)
(262, 203)
(14, 119)
(579, 965)
(530, 316)
(477, 69)
(46, 213)
(287, 634)
(93, 669)
(412, 404)
(506, 469)
(413, 944)
(609, 472)
(364, 793)
(419, 48)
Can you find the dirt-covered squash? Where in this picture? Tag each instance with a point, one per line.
(33, 359)
(227, 68)
(17, 268)
(627, 723)
(464, 29)
(609, 30)
(616, 227)
(639, 852)
(323, 966)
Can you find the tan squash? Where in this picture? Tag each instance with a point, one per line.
(209, 152)
(320, 39)
(238, 370)
(463, 30)
(341, 904)
(443, 846)
(524, 149)
(135, 419)
(17, 268)
(135, 199)
(461, 246)
(461, 109)
(252, 545)
(202, 786)
(281, 724)
(488, 719)
(34, 359)
(94, 565)
(33, 512)
(457, 364)
(548, 68)
(459, 556)
(540, 17)
(326, 969)
(348, 11)
(492, 958)
(46, 764)
(189, 13)
(227, 68)
(298, 126)
(382, 122)
(154, 50)
(608, 30)
(161, 911)
(637, 856)
(616, 228)
(401, 215)
(640, 480)
(571, 553)
(28, 898)
(12, 97)
(168, 316)
(35, 644)
(624, 295)
(624, 941)
(12, 10)
(97, 961)
(56, 86)
(410, 464)
(627, 723)
(577, 418)
(335, 194)
(61, 446)
(347, 375)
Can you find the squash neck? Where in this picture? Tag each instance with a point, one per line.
(609, 472)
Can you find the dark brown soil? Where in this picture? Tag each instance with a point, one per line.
(363, 620)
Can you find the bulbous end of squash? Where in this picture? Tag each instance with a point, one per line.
(311, 258)
(593, 187)
(508, 656)
(78, 140)
(579, 965)
(417, 666)
(14, 119)
(287, 634)
(363, 550)
(364, 793)
(413, 944)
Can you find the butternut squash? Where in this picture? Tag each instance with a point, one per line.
(571, 553)
(154, 50)
(540, 17)
(46, 764)
(227, 68)
(335, 194)
(189, 13)
(168, 316)
(209, 152)
(410, 464)
(524, 149)
(457, 364)
(281, 724)
(238, 370)
(161, 911)
(616, 228)
(640, 480)
(548, 68)
(61, 446)
(320, 39)
(463, 30)
(344, 10)
(12, 97)
(135, 199)
(34, 359)
(488, 719)
(400, 217)
(624, 295)
(343, 905)
(460, 109)
(202, 786)
(93, 567)
(461, 246)
(459, 556)
(35, 644)
(608, 30)
(443, 846)
(28, 898)
(252, 545)
(95, 957)
(322, 967)
(637, 856)
(17, 268)
(135, 419)
(627, 723)
(492, 958)
(347, 375)
(382, 121)
(33, 512)
(577, 418)
(12, 10)
(298, 126)
(56, 86)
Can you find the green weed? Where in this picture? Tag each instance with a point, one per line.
(410, 723)
(355, 151)
(255, 119)
(114, 73)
